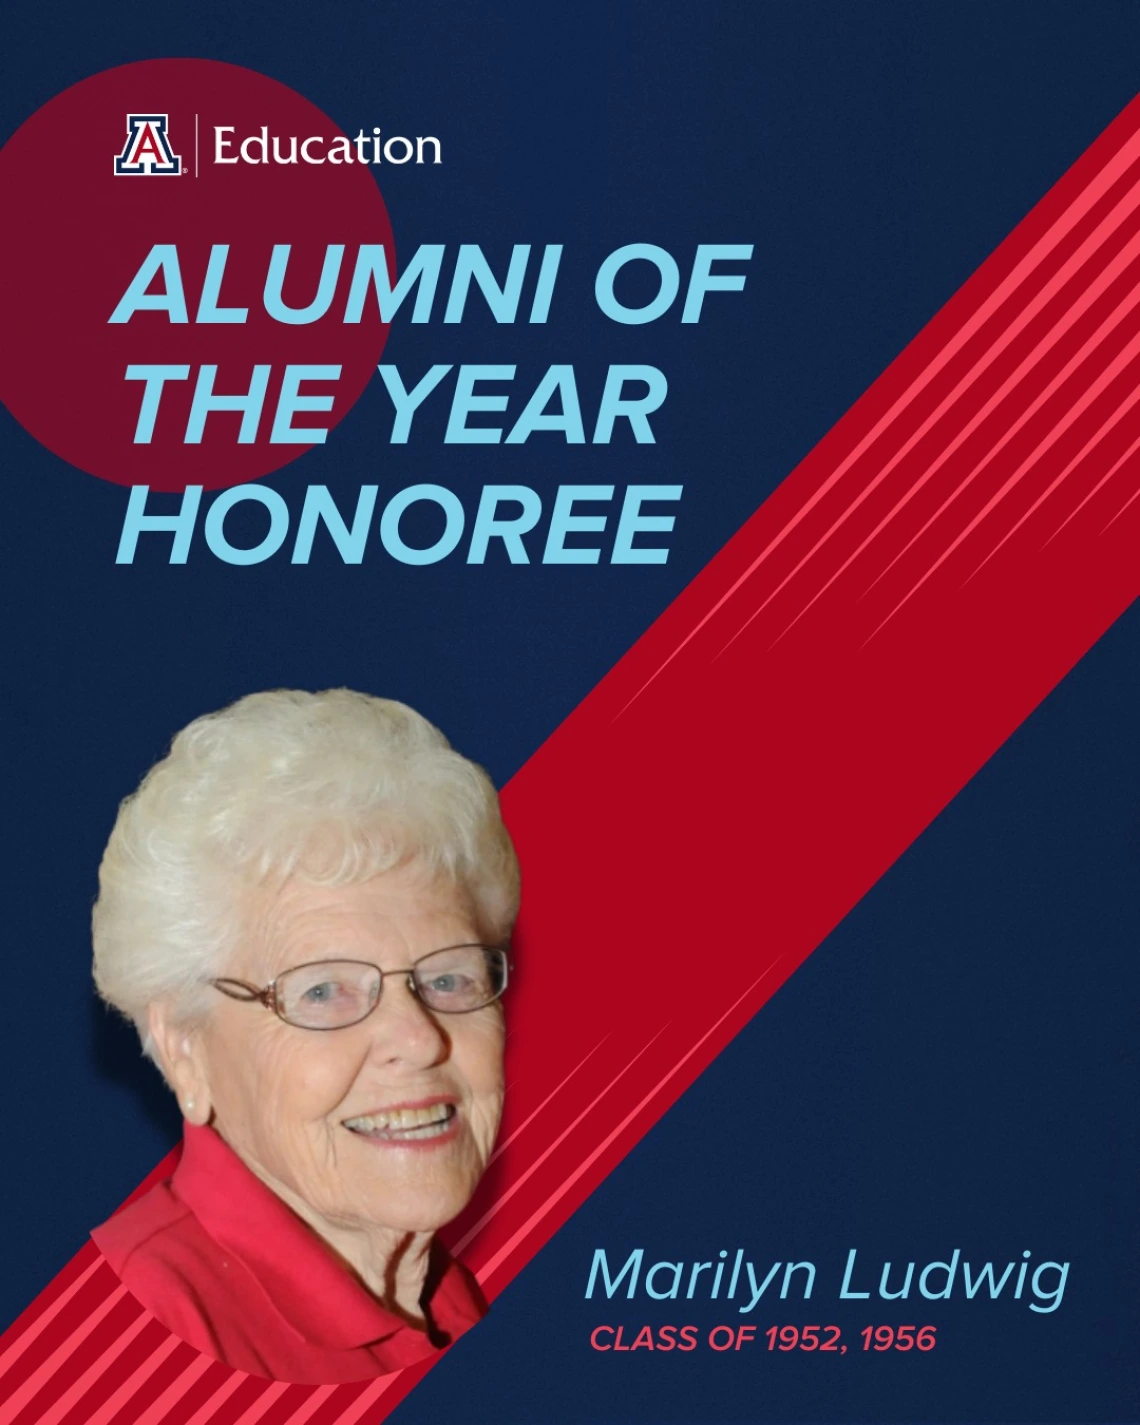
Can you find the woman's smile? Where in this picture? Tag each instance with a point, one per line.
(430, 1124)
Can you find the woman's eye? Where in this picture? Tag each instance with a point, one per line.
(451, 985)
(321, 994)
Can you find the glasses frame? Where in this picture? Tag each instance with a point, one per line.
(246, 993)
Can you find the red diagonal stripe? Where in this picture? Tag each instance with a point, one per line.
(198, 1384)
(346, 1400)
(297, 1405)
(977, 395)
(247, 1402)
(704, 819)
(141, 1395)
(1100, 437)
(1083, 388)
(27, 1353)
(54, 1295)
(974, 313)
(105, 1398)
(120, 1314)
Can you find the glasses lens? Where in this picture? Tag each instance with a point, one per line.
(327, 995)
(462, 978)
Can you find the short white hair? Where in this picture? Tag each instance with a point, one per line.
(329, 788)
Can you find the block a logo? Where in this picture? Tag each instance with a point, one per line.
(147, 150)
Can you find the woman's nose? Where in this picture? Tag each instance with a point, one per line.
(404, 1029)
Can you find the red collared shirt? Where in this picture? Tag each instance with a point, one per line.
(220, 1260)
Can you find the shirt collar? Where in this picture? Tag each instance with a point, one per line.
(305, 1282)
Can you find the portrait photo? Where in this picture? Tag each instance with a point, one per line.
(305, 910)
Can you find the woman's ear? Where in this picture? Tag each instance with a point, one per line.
(183, 1060)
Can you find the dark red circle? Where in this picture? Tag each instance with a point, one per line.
(76, 233)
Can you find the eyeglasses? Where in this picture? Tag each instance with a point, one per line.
(333, 994)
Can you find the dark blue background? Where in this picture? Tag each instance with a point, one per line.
(950, 1068)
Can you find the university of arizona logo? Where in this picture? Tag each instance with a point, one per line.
(147, 149)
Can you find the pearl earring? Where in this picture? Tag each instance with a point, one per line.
(189, 1108)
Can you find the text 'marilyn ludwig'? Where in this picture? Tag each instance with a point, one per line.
(751, 1283)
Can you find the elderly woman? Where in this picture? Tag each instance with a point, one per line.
(304, 909)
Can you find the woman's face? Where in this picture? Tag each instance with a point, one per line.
(333, 1120)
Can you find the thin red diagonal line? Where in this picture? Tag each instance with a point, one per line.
(198, 1382)
(1112, 371)
(104, 1411)
(1097, 290)
(100, 1348)
(150, 1348)
(45, 1383)
(1123, 507)
(1114, 319)
(347, 1401)
(1064, 200)
(207, 1406)
(1099, 484)
(74, 1396)
(1071, 270)
(546, 1102)
(59, 1290)
(356, 1408)
(505, 1197)
(249, 1402)
(1058, 480)
(169, 1369)
(489, 1268)
(1017, 379)
(297, 1404)
(42, 1321)
(1121, 161)
(82, 1314)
